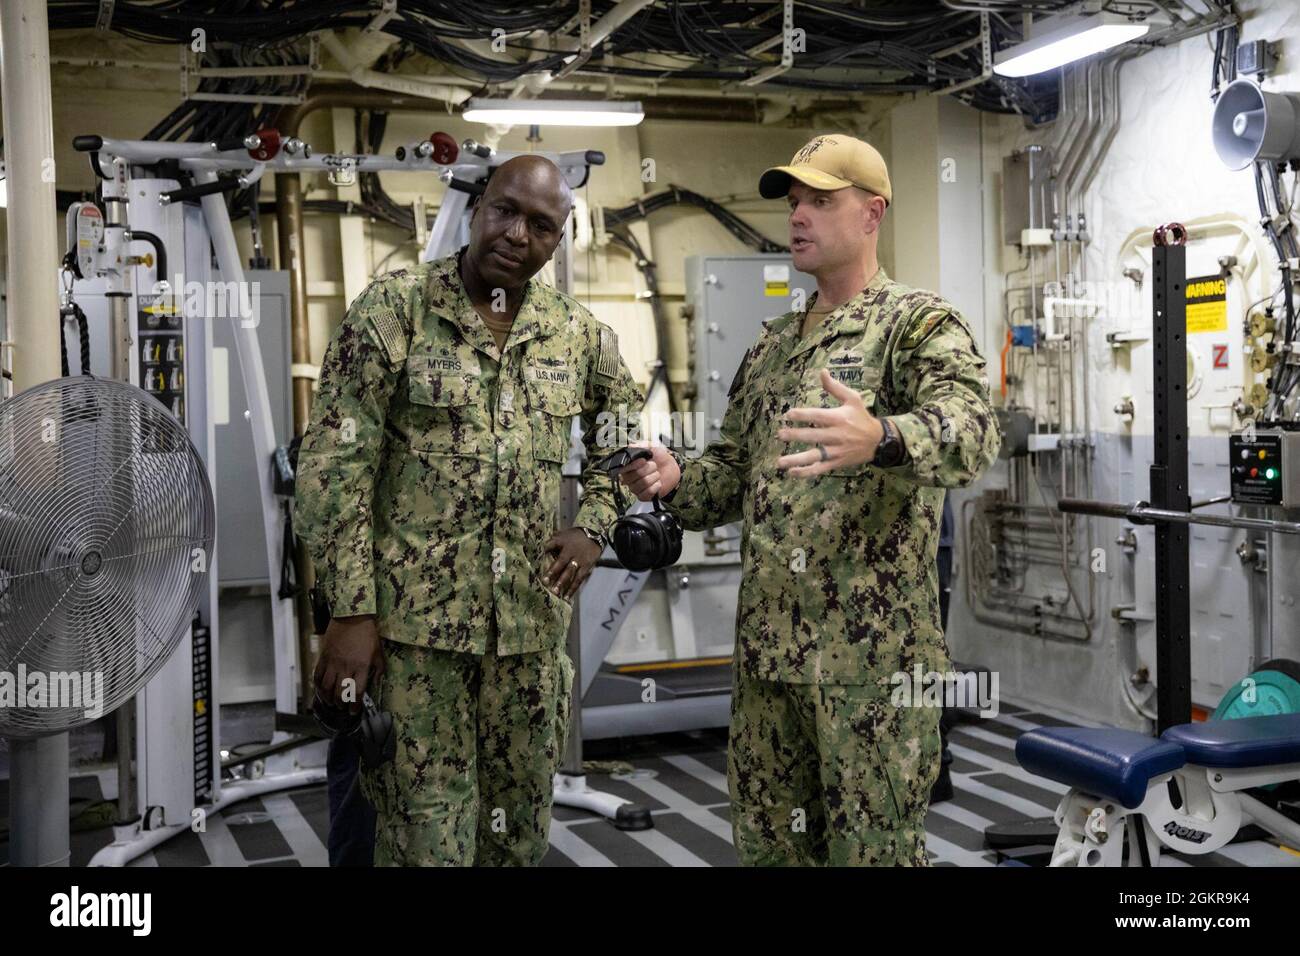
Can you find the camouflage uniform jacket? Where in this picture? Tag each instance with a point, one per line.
(429, 476)
(838, 572)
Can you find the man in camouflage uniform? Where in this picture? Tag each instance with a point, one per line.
(428, 488)
(838, 591)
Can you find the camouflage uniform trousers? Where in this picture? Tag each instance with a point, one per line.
(828, 774)
(479, 741)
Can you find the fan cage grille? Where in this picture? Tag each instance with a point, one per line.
(107, 525)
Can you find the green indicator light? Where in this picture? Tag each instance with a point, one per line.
(1270, 473)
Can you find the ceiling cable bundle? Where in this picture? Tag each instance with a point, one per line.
(907, 45)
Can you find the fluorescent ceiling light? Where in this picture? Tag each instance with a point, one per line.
(4, 194)
(553, 112)
(1064, 40)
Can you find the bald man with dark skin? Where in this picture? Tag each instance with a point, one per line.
(504, 252)
(428, 490)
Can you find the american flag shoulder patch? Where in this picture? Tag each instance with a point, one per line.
(391, 335)
(607, 359)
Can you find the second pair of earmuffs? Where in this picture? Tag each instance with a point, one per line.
(371, 729)
(647, 540)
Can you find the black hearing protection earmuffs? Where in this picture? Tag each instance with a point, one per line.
(371, 729)
(646, 541)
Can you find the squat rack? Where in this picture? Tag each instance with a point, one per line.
(1170, 508)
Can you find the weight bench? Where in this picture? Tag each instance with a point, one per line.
(1182, 790)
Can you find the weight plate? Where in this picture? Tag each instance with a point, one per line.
(1273, 689)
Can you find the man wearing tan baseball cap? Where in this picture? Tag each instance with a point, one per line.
(847, 420)
(831, 162)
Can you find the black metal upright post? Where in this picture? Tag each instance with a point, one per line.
(1169, 487)
(572, 761)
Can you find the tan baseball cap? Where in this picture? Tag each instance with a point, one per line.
(830, 162)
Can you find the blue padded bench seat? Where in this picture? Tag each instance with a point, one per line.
(1240, 742)
(1103, 760)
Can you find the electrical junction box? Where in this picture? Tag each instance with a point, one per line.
(1027, 187)
(1256, 57)
(1265, 469)
(727, 298)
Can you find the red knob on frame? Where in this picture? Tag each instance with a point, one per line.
(445, 149)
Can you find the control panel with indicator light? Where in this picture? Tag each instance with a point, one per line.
(1264, 469)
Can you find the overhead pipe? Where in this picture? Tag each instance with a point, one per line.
(1118, 62)
(1098, 140)
(1086, 128)
(361, 74)
(1069, 168)
(1101, 138)
(1069, 110)
(1070, 131)
(1087, 139)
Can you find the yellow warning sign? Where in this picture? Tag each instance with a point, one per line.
(1207, 304)
(776, 280)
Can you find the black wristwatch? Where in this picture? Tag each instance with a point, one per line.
(890, 451)
(681, 473)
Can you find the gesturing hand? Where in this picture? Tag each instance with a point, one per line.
(844, 436)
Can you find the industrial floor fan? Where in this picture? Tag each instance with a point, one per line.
(107, 523)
